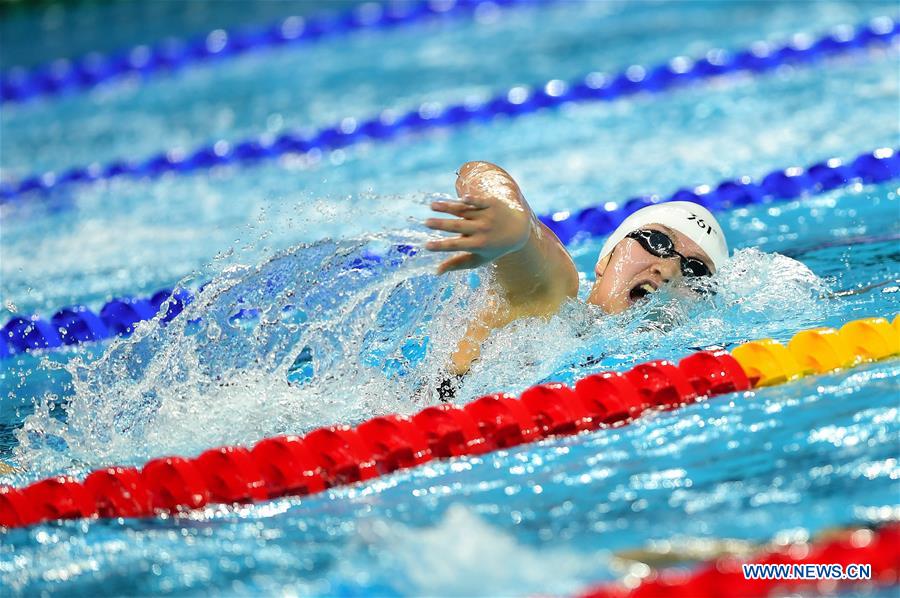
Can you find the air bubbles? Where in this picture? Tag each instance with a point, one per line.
(222, 148)
(681, 64)
(518, 95)
(881, 25)
(369, 13)
(337, 157)
(348, 125)
(597, 80)
(801, 41)
(555, 88)
(635, 73)
(176, 155)
(292, 27)
(487, 13)
(761, 49)
(216, 41)
(274, 122)
(48, 179)
(139, 57)
(441, 5)
(431, 110)
(861, 538)
(213, 332)
(388, 117)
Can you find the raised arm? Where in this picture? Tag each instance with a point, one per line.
(532, 271)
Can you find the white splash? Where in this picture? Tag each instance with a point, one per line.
(433, 557)
(339, 331)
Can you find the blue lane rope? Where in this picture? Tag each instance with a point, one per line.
(78, 324)
(877, 166)
(19, 84)
(759, 57)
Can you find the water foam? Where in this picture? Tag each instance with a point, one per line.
(232, 367)
(433, 557)
(338, 331)
(754, 295)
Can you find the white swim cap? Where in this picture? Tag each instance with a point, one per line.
(690, 219)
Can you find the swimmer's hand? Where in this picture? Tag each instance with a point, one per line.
(492, 218)
(532, 273)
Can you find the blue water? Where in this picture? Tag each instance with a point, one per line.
(548, 518)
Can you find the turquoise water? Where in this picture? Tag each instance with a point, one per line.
(546, 518)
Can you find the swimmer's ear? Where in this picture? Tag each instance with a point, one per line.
(602, 263)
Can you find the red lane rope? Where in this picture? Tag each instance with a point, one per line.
(338, 455)
(879, 549)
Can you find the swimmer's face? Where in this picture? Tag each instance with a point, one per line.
(630, 272)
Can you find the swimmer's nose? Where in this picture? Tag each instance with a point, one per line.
(667, 269)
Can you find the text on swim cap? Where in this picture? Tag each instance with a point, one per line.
(701, 223)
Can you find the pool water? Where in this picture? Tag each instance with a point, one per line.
(326, 343)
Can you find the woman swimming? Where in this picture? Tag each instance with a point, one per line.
(534, 274)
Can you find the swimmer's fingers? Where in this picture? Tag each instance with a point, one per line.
(453, 225)
(457, 208)
(452, 244)
(463, 261)
(480, 203)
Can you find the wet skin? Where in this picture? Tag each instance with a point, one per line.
(532, 271)
(630, 272)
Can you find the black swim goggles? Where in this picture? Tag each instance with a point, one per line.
(660, 244)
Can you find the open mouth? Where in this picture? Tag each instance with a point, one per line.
(640, 291)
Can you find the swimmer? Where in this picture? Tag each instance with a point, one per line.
(534, 275)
